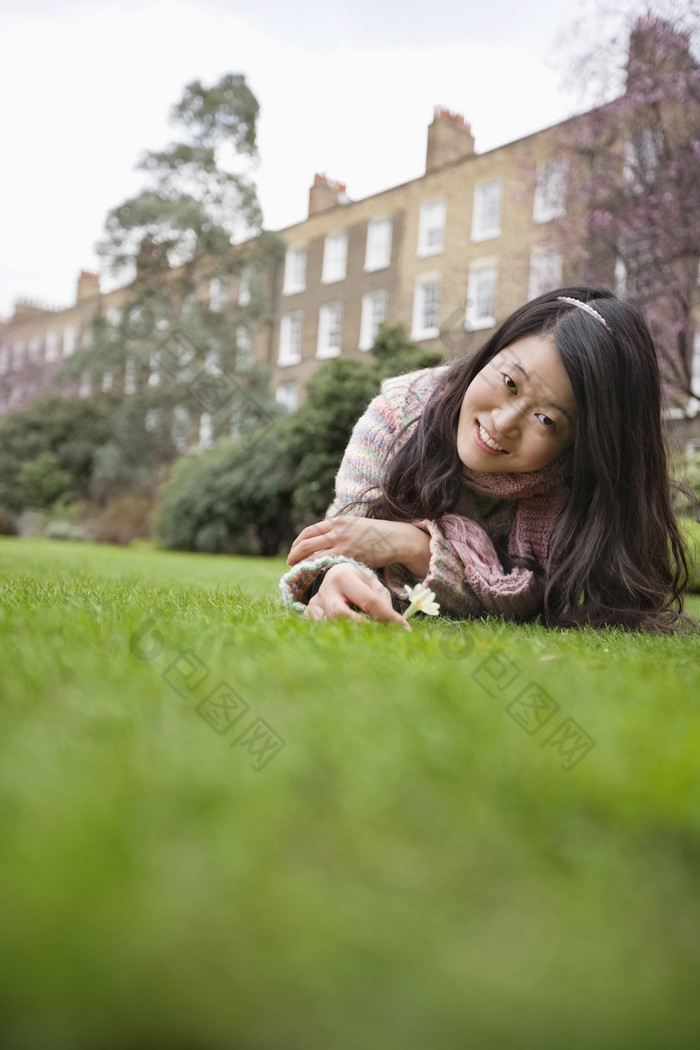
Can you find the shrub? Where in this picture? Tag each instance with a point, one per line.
(691, 534)
(234, 499)
(8, 522)
(686, 472)
(124, 519)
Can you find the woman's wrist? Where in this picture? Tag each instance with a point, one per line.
(417, 557)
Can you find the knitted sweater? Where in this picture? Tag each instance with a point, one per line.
(465, 572)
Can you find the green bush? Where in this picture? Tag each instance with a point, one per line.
(253, 496)
(336, 398)
(41, 481)
(686, 472)
(691, 534)
(47, 450)
(235, 499)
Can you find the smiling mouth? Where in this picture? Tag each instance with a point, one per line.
(486, 439)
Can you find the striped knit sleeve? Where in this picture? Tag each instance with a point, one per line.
(360, 472)
(357, 480)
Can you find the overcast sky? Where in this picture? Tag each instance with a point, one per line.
(344, 88)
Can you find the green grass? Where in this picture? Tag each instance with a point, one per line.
(412, 870)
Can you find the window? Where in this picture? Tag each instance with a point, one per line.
(218, 293)
(181, 426)
(431, 227)
(52, 346)
(206, 430)
(335, 256)
(550, 190)
(130, 377)
(154, 366)
(114, 316)
(486, 217)
(695, 366)
(18, 355)
(4, 359)
(35, 346)
(151, 420)
(107, 381)
(294, 271)
(373, 314)
(378, 251)
(426, 302)
(287, 394)
(244, 286)
(642, 158)
(85, 387)
(291, 327)
(481, 296)
(546, 269)
(330, 327)
(70, 340)
(245, 353)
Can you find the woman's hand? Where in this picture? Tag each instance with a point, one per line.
(345, 586)
(372, 541)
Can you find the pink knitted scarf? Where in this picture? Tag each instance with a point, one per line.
(540, 496)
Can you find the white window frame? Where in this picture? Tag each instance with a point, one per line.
(330, 329)
(18, 355)
(287, 395)
(245, 348)
(245, 282)
(695, 365)
(85, 386)
(291, 332)
(53, 346)
(130, 376)
(335, 258)
(34, 349)
(374, 306)
(294, 271)
(550, 190)
(206, 430)
(432, 220)
(70, 340)
(546, 269)
(480, 297)
(4, 359)
(218, 293)
(426, 307)
(487, 210)
(378, 249)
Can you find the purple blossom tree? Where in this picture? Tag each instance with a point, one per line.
(633, 199)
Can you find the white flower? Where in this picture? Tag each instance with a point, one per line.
(422, 600)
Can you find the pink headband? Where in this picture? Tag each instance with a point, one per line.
(584, 306)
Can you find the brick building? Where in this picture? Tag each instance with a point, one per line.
(447, 255)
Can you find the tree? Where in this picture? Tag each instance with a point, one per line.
(48, 450)
(256, 493)
(190, 245)
(337, 395)
(633, 201)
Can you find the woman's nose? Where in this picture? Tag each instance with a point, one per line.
(507, 418)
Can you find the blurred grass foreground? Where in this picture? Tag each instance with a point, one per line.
(223, 826)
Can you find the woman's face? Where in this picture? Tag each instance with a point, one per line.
(518, 413)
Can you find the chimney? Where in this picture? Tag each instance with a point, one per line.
(88, 286)
(449, 138)
(656, 47)
(325, 194)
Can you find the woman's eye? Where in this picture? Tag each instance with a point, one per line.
(545, 419)
(510, 383)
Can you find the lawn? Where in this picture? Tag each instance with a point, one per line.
(223, 826)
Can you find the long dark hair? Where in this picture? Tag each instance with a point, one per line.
(616, 555)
